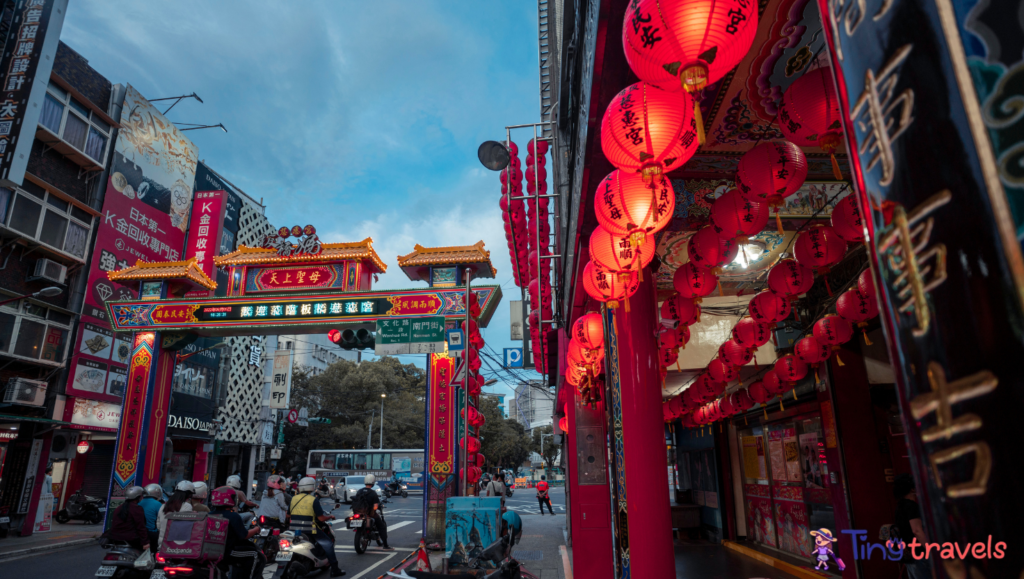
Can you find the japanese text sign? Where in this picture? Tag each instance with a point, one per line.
(205, 228)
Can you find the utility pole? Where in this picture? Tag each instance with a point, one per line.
(369, 432)
(382, 396)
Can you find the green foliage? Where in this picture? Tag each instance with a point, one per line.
(504, 442)
(349, 394)
(548, 451)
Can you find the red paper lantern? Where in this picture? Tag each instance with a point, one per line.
(768, 307)
(750, 333)
(646, 250)
(613, 252)
(676, 405)
(668, 340)
(582, 356)
(480, 460)
(773, 385)
(789, 278)
(758, 393)
(819, 247)
(866, 285)
(666, 414)
(708, 387)
(721, 371)
(857, 308)
(811, 351)
(770, 172)
(847, 220)
(741, 400)
(725, 407)
(563, 423)
(683, 336)
(625, 204)
(834, 331)
(790, 369)
(679, 308)
(648, 130)
(735, 353)
(608, 287)
(709, 251)
(589, 331)
(687, 43)
(694, 282)
(738, 218)
(691, 396)
(474, 444)
(669, 356)
(809, 114)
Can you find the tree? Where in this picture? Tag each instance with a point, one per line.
(544, 445)
(504, 442)
(350, 395)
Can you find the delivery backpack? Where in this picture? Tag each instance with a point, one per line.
(362, 503)
(195, 535)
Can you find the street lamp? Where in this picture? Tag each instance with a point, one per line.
(47, 292)
(382, 397)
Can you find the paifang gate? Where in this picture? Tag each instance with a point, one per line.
(281, 288)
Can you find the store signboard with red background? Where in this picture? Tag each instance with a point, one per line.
(204, 233)
(145, 216)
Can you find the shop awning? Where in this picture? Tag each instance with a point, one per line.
(13, 417)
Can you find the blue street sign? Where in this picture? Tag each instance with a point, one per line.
(513, 357)
(455, 341)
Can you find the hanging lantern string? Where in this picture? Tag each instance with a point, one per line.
(778, 106)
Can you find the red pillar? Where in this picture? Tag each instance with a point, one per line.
(643, 454)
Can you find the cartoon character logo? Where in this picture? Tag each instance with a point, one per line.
(823, 549)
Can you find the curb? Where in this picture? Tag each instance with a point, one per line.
(50, 547)
(801, 572)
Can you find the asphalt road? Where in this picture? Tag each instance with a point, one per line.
(405, 527)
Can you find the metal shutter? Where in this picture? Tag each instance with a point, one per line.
(98, 466)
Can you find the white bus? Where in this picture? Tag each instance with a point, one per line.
(338, 464)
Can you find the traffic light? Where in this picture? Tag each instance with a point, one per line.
(316, 420)
(350, 339)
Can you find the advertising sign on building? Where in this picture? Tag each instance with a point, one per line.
(28, 55)
(30, 475)
(281, 383)
(204, 234)
(93, 414)
(145, 215)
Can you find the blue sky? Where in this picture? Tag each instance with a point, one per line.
(362, 118)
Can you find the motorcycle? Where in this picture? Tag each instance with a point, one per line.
(82, 508)
(365, 530)
(396, 488)
(122, 561)
(268, 537)
(499, 554)
(298, 556)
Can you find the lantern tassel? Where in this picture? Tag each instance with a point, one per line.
(765, 410)
(794, 393)
(720, 292)
(867, 341)
(816, 379)
(627, 303)
(835, 169)
(745, 423)
(641, 274)
(839, 360)
(778, 220)
(781, 407)
(699, 119)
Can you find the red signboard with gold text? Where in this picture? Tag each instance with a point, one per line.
(441, 451)
(414, 305)
(126, 462)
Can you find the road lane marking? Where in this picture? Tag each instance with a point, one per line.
(399, 525)
(368, 569)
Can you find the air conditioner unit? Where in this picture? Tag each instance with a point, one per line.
(25, 392)
(50, 270)
(63, 446)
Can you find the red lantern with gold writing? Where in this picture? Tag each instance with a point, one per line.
(694, 282)
(687, 44)
(809, 114)
(738, 218)
(750, 333)
(608, 287)
(589, 331)
(789, 278)
(768, 307)
(709, 251)
(648, 130)
(847, 220)
(625, 204)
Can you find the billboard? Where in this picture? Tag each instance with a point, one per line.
(208, 180)
(145, 216)
(205, 231)
(28, 54)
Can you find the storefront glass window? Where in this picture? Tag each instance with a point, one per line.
(178, 470)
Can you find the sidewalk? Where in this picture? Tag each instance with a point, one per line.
(539, 551)
(69, 535)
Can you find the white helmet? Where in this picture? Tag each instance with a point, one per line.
(201, 489)
(186, 486)
(133, 493)
(369, 480)
(307, 484)
(235, 482)
(154, 490)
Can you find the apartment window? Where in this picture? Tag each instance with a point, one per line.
(34, 332)
(74, 123)
(41, 215)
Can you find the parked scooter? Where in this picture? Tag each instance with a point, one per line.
(81, 507)
(122, 562)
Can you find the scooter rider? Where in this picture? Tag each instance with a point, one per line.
(152, 500)
(274, 505)
(234, 481)
(368, 499)
(199, 498)
(239, 550)
(306, 514)
(324, 490)
(128, 522)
